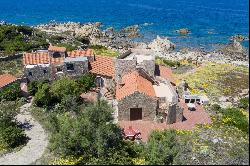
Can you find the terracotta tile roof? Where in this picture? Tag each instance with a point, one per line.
(103, 66)
(43, 57)
(167, 74)
(56, 61)
(35, 58)
(57, 49)
(6, 79)
(79, 53)
(134, 82)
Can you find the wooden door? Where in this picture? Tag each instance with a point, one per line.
(135, 114)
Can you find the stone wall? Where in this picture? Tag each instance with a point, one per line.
(137, 100)
(148, 66)
(51, 71)
(11, 57)
(175, 114)
(79, 68)
(38, 73)
(179, 113)
(56, 54)
(123, 67)
(171, 114)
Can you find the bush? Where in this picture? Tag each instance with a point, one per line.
(43, 97)
(170, 63)
(11, 135)
(33, 86)
(63, 87)
(91, 134)
(11, 92)
(162, 147)
(234, 117)
(86, 82)
(244, 103)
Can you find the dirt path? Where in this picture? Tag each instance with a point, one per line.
(36, 145)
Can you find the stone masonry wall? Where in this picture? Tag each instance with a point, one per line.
(38, 73)
(137, 100)
(79, 69)
(148, 66)
(122, 67)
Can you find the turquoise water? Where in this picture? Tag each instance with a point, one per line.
(211, 22)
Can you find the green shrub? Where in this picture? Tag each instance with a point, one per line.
(34, 85)
(85, 82)
(43, 97)
(244, 103)
(11, 135)
(63, 87)
(162, 147)
(11, 92)
(167, 62)
(234, 117)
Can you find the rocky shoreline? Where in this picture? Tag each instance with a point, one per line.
(122, 40)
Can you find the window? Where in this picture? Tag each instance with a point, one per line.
(56, 55)
(59, 69)
(30, 73)
(44, 71)
(198, 100)
(70, 66)
(99, 81)
(187, 100)
(192, 101)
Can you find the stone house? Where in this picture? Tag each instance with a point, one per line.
(145, 90)
(140, 89)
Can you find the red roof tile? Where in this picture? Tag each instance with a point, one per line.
(6, 79)
(43, 57)
(80, 53)
(35, 58)
(134, 82)
(103, 66)
(57, 49)
(167, 74)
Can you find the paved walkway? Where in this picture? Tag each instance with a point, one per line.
(199, 116)
(35, 146)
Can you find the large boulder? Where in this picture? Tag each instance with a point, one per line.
(234, 51)
(183, 31)
(161, 45)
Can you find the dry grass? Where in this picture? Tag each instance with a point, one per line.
(216, 80)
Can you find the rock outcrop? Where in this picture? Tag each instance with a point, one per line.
(161, 45)
(183, 31)
(239, 38)
(111, 38)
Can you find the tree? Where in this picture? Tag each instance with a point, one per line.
(43, 96)
(91, 134)
(86, 82)
(63, 87)
(34, 85)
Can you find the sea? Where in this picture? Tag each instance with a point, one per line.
(211, 22)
